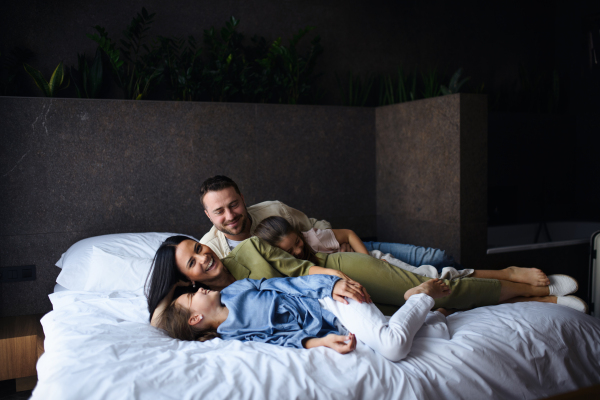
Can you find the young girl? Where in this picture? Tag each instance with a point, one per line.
(277, 231)
(299, 312)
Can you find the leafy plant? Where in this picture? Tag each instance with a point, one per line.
(402, 90)
(358, 91)
(282, 74)
(88, 80)
(535, 91)
(135, 66)
(183, 67)
(225, 62)
(294, 75)
(10, 66)
(431, 85)
(49, 88)
(454, 85)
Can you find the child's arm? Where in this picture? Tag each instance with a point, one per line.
(335, 342)
(164, 303)
(348, 236)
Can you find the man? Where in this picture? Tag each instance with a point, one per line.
(233, 223)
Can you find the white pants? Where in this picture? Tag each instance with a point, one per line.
(392, 339)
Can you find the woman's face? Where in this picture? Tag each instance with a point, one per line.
(198, 262)
(293, 245)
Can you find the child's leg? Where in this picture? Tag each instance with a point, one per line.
(392, 340)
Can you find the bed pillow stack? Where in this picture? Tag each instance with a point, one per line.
(110, 262)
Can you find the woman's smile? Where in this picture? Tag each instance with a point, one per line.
(210, 264)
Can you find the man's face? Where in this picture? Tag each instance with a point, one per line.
(227, 211)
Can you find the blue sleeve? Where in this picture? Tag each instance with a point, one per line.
(286, 339)
(314, 286)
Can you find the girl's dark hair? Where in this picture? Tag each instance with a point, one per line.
(164, 272)
(273, 229)
(174, 320)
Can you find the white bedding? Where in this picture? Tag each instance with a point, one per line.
(100, 346)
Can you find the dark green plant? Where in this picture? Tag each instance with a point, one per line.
(431, 84)
(535, 91)
(183, 67)
(225, 62)
(454, 85)
(88, 79)
(292, 71)
(134, 65)
(48, 88)
(283, 74)
(357, 92)
(403, 89)
(10, 67)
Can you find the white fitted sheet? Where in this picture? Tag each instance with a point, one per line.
(100, 346)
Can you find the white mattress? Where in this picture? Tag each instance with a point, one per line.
(100, 346)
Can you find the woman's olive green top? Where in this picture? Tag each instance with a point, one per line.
(385, 283)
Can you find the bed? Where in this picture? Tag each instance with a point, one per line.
(99, 345)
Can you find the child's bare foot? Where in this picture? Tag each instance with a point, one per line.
(435, 288)
(532, 276)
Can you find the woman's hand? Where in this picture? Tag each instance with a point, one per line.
(346, 287)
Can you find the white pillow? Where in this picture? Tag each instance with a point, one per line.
(93, 264)
(109, 272)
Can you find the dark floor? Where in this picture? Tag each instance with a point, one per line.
(8, 391)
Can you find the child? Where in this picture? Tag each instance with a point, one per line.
(277, 231)
(299, 312)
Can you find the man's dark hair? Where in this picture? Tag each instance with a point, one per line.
(216, 183)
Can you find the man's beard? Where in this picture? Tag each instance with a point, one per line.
(243, 227)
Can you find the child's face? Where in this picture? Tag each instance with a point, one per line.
(204, 302)
(293, 245)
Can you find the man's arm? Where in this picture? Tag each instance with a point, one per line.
(300, 220)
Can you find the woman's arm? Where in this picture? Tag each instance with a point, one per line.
(164, 303)
(335, 342)
(349, 288)
(348, 236)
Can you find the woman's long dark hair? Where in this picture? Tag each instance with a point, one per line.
(273, 229)
(164, 272)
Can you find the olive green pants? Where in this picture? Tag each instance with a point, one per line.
(386, 283)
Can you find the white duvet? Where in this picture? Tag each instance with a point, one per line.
(100, 346)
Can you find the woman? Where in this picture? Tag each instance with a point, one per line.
(181, 259)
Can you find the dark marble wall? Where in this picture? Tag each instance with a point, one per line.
(432, 173)
(71, 169)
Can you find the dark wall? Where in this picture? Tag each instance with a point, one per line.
(488, 39)
(71, 169)
(432, 174)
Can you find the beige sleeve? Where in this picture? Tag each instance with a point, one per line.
(304, 223)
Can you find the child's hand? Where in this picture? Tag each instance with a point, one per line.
(346, 248)
(339, 343)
